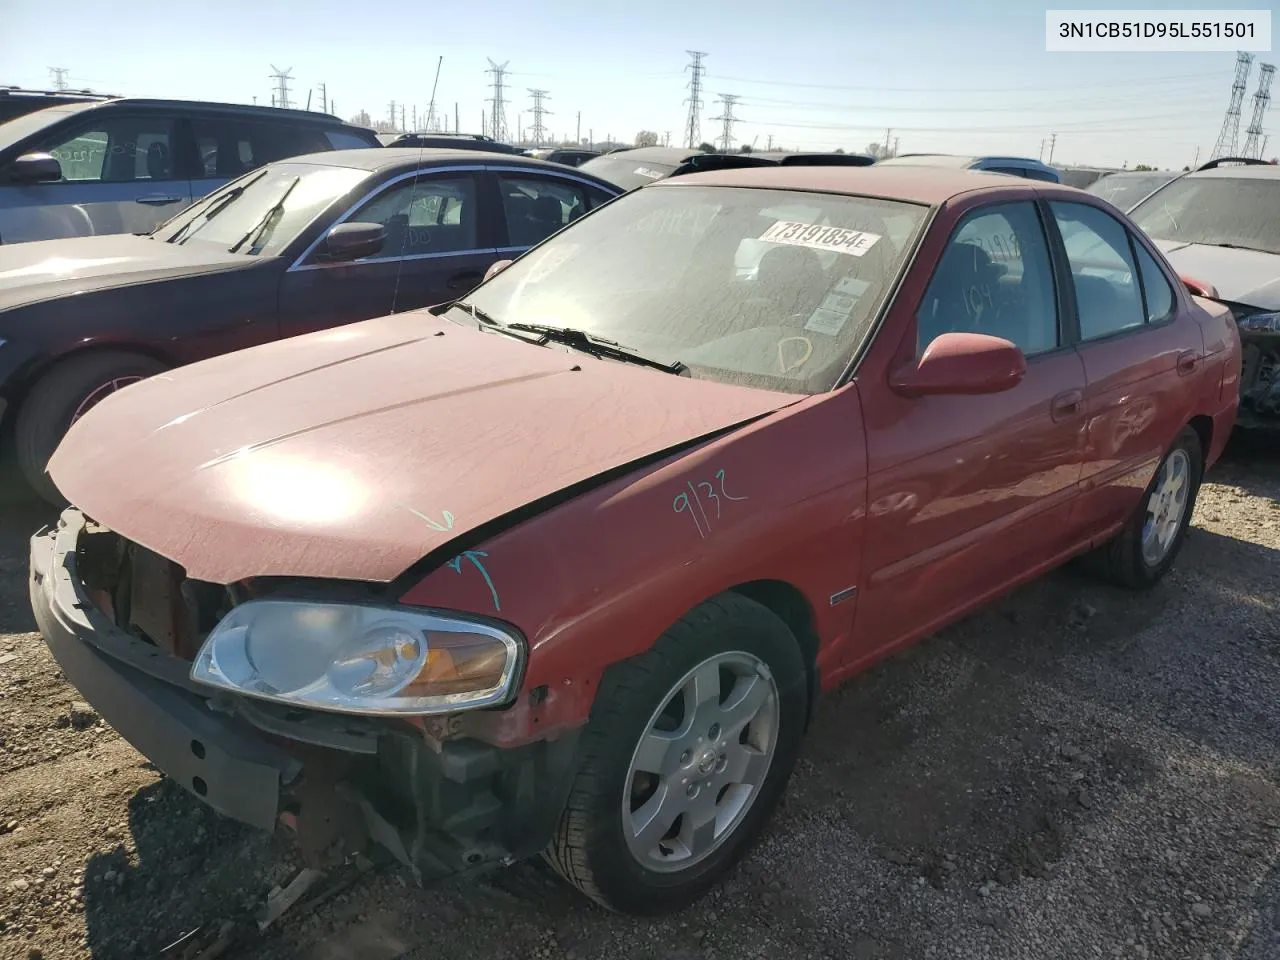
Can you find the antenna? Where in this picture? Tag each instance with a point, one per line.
(1226, 145)
(693, 131)
(1252, 146)
(282, 78)
(431, 107)
(498, 115)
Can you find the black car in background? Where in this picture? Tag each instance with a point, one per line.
(293, 247)
(124, 165)
(631, 168)
(1220, 225)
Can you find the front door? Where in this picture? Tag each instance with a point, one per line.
(969, 493)
(437, 248)
(119, 175)
(1136, 347)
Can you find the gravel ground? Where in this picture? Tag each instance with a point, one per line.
(1077, 772)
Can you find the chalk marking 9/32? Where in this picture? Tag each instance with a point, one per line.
(697, 510)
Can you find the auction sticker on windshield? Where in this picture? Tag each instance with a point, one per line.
(819, 237)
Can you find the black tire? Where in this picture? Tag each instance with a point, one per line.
(47, 412)
(1120, 560)
(589, 849)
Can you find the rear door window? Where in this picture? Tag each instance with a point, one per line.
(117, 150)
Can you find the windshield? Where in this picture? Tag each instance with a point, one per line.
(766, 288)
(1124, 192)
(1244, 211)
(223, 218)
(627, 174)
(19, 128)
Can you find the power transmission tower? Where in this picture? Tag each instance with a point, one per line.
(282, 78)
(59, 77)
(1226, 145)
(324, 98)
(498, 115)
(770, 144)
(1252, 143)
(726, 119)
(578, 138)
(693, 127)
(539, 111)
(1053, 139)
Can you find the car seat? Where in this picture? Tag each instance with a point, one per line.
(158, 161)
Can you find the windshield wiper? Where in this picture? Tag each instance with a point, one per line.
(211, 211)
(598, 346)
(261, 225)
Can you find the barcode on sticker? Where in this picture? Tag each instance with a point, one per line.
(835, 239)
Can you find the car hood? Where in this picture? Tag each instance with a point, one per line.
(42, 269)
(1249, 277)
(353, 453)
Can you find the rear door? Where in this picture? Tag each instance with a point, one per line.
(533, 205)
(228, 146)
(1138, 349)
(121, 173)
(439, 243)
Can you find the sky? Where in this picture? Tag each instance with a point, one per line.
(939, 75)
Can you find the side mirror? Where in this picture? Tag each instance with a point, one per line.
(35, 168)
(1199, 288)
(496, 268)
(960, 364)
(352, 241)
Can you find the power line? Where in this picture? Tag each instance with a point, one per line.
(1056, 87)
(1252, 146)
(538, 132)
(693, 126)
(727, 119)
(1226, 144)
(282, 78)
(498, 113)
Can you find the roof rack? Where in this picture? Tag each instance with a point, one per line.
(1249, 161)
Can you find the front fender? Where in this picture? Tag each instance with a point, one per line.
(597, 579)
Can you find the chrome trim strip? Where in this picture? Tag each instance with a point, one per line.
(554, 175)
(410, 256)
(380, 188)
(841, 596)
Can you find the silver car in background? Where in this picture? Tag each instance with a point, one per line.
(126, 165)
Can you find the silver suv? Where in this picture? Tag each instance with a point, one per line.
(125, 165)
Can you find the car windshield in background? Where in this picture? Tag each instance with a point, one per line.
(764, 288)
(1124, 191)
(1235, 211)
(249, 209)
(626, 173)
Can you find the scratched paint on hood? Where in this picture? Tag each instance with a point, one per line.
(352, 453)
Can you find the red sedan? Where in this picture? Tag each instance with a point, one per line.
(560, 568)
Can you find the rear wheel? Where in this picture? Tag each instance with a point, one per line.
(60, 398)
(1143, 551)
(687, 753)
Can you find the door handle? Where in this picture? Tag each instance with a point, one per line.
(1066, 405)
(156, 199)
(1187, 361)
(468, 279)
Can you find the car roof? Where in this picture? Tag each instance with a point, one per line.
(914, 184)
(671, 155)
(377, 159)
(211, 106)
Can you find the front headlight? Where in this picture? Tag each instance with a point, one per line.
(359, 659)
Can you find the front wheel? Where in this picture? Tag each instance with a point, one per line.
(60, 398)
(687, 753)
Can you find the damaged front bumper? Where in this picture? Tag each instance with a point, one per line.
(440, 807)
(1260, 369)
